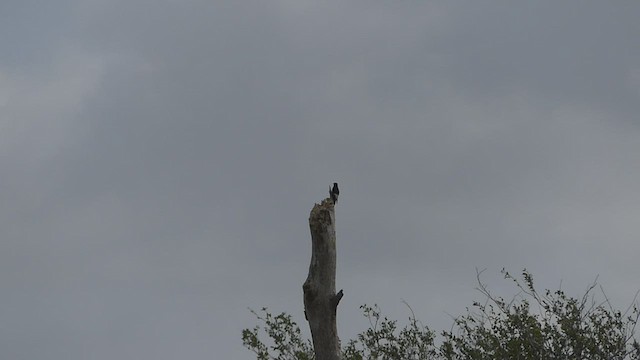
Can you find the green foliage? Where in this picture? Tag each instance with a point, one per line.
(560, 328)
(383, 340)
(286, 342)
(563, 328)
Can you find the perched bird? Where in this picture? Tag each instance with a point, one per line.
(334, 192)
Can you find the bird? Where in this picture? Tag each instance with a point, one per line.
(334, 192)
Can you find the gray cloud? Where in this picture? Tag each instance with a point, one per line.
(160, 158)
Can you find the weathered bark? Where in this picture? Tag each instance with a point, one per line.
(320, 298)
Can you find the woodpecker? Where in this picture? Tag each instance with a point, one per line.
(334, 192)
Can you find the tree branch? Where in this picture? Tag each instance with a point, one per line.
(320, 298)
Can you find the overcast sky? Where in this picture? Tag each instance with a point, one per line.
(159, 160)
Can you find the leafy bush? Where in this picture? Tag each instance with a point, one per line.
(562, 328)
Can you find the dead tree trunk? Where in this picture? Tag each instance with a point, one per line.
(320, 298)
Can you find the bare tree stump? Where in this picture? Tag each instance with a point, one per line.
(320, 298)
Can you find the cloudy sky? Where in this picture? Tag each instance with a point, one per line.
(159, 160)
